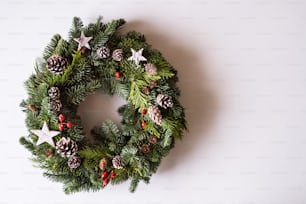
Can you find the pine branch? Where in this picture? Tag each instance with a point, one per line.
(103, 36)
(78, 93)
(134, 183)
(50, 49)
(27, 144)
(76, 28)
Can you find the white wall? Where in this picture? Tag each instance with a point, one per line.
(242, 75)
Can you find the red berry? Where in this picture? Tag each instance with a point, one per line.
(117, 75)
(144, 111)
(61, 127)
(143, 124)
(69, 124)
(104, 175)
(105, 182)
(61, 117)
(113, 174)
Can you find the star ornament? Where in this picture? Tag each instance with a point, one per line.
(45, 135)
(83, 41)
(137, 56)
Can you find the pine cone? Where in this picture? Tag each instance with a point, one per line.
(152, 83)
(49, 153)
(54, 92)
(164, 101)
(117, 55)
(150, 69)
(118, 162)
(145, 148)
(74, 162)
(103, 164)
(32, 108)
(56, 105)
(145, 90)
(155, 114)
(152, 139)
(56, 64)
(103, 52)
(66, 147)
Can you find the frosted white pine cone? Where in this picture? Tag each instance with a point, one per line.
(150, 69)
(164, 100)
(155, 114)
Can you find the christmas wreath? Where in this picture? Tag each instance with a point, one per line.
(98, 57)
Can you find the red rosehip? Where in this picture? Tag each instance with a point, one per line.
(61, 127)
(144, 111)
(105, 182)
(69, 124)
(143, 124)
(113, 174)
(104, 175)
(61, 117)
(118, 75)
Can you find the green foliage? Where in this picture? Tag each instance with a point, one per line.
(139, 99)
(77, 93)
(51, 47)
(104, 35)
(86, 74)
(75, 30)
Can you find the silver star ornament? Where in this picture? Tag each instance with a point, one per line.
(83, 41)
(45, 135)
(137, 56)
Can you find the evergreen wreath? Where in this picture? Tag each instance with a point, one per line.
(99, 58)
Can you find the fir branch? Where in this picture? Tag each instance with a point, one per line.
(96, 151)
(110, 129)
(134, 183)
(128, 153)
(51, 47)
(27, 144)
(103, 36)
(78, 93)
(76, 28)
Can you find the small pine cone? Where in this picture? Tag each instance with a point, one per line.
(56, 64)
(103, 52)
(56, 105)
(152, 83)
(150, 69)
(164, 101)
(117, 55)
(103, 164)
(145, 148)
(54, 92)
(32, 107)
(74, 162)
(152, 139)
(145, 90)
(155, 114)
(118, 162)
(49, 153)
(66, 147)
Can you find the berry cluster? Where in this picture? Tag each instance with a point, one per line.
(105, 176)
(62, 124)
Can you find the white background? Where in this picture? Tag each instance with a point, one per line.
(242, 74)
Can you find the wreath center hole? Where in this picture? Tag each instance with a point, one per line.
(97, 108)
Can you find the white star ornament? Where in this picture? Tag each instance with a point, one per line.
(137, 56)
(45, 135)
(83, 41)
